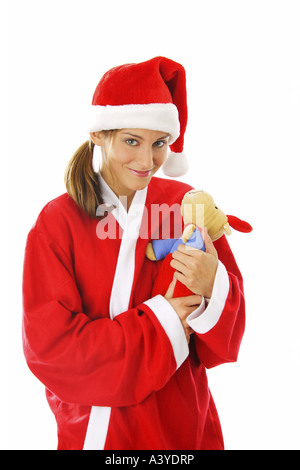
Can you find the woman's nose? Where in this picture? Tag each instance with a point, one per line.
(145, 159)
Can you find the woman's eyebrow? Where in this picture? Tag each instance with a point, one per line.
(132, 135)
(140, 137)
(167, 136)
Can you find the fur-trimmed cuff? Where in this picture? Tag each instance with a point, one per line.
(203, 320)
(171, 323)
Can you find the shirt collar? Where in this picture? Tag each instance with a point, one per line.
(119, 212)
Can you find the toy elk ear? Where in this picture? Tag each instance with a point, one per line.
(238, 224)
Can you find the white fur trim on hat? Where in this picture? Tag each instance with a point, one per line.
(175, 165)
(155, 116)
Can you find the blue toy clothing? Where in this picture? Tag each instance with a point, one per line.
(162, 248)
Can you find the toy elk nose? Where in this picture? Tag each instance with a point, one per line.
(238, 224)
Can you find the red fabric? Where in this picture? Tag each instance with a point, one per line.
(84, 358)
(152, 81)
(164, 278)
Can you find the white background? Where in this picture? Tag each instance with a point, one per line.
(243, 78)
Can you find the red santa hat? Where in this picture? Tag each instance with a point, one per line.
(148, 95)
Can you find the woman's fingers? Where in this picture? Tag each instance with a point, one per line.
(196, 269)
(170, 292)
(183, 306)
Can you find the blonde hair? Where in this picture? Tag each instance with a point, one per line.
(82, 181)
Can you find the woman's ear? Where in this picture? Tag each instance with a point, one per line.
(96, 138)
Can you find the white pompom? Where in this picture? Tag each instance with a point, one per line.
(176, 165)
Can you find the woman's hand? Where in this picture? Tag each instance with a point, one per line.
(183, 306)
(196, 269)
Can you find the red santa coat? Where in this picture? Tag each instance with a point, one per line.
(116, 365)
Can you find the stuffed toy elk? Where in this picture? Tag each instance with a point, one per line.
(198, 210)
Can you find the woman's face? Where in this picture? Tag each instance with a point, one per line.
(131, 158)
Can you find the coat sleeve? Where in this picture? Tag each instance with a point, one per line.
(100, 362)
(220, 326)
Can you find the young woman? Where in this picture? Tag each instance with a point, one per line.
(122, 369)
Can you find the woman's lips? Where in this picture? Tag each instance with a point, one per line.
(141, 174)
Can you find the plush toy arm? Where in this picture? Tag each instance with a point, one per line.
(150, 252)
(188, 232)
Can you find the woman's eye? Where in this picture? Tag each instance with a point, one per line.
(159, 143)
(131, 142)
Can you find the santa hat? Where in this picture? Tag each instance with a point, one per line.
(148, 95)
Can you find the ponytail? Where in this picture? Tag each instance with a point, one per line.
(82, 182)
